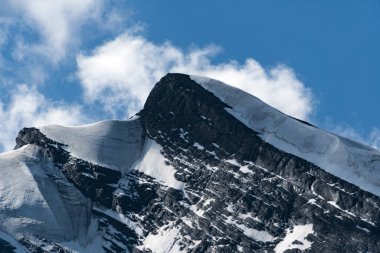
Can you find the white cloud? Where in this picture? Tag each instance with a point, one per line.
(120, 74)
(4, 27)
(26, 108)
(372, 139)
(56, 21)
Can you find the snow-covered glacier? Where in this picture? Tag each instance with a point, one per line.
(114, 144)
(344, 158)
(111, 143)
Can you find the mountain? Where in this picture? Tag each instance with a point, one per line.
(204, 167)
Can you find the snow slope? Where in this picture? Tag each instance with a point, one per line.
(346, 159)
(164, 241)
(118, 145)
(295, 239)
(112, 144)
(37, 200)
(152, 163)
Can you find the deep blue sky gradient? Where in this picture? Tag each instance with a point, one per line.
(333, 46)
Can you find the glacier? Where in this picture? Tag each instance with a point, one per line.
(344, 158)
(114, 144)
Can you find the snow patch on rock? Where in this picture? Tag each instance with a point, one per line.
(295, 238)
(258, 235)
(164, 240)
(154, 164)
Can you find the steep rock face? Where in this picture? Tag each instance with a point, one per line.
(279, 189)
(124, 200)
(201, 181)
(344, 158)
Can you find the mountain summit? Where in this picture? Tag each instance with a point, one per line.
(204, 167)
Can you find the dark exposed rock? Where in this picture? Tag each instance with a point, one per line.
(279, 195)
(6, 247)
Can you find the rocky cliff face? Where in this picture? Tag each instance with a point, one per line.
(203, 182)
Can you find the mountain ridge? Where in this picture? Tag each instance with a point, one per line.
(206, 181)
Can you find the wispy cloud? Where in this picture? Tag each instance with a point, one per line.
(372, 139)
(120, 74)
(57, 23)
(27, 107)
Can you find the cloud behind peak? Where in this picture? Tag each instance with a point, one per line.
(120, 73)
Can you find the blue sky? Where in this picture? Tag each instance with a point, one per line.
(74, 62)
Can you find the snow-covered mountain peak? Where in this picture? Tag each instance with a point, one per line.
(344, 158)
(204, 167)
